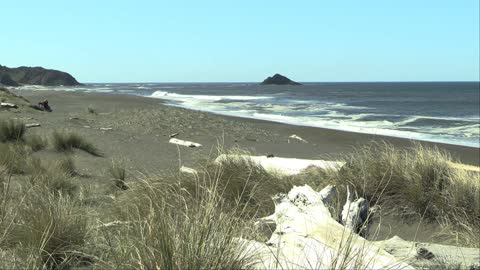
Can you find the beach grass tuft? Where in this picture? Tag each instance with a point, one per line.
(417, 182)
(36, 142)
(118, 173)
(67, 141)
(11, 131)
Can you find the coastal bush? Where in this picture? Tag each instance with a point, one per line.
(36, 142)
(11, 131)
(65, 141)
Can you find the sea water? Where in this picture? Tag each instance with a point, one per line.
(447, 112)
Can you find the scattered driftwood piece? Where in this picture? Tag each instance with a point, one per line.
(184, 169)
(287, 166)
(431, 256)
(106, 129)
(298, 138)
(184, 143)
(32, 125)
(174, 135)
(355, 214)
(86, 126)
(307, 237)
(8, 105)
(74, 118)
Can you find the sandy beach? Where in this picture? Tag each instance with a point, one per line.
(140, 130)
(136, 131)
(148, 122)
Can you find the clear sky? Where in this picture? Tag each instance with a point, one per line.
(244, 40)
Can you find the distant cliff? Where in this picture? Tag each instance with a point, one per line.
(279, 79)
(35, 76)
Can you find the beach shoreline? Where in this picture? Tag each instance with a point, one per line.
(153, 121)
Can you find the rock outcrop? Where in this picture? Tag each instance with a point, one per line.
(35, 76)
(279, 80)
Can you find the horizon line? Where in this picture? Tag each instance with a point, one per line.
(256, 82)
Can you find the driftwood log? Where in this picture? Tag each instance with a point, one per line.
(287, 166)
(184, 143)
(305, 236)
(8, 105)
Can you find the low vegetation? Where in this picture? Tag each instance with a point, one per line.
(36, 142)
(184, 221)
(67, 141)
(118, 173)
(11, 131)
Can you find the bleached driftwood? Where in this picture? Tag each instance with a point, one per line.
(173, 135)
(298, 138)
(184, 169)
(32, 125)
(184, 143)
(106, 129)
(355, 214)
(8, 105)
(439, 255)
(287, 166)
(307, 237)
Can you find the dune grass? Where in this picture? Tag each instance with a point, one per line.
(169, 229)
(67, 141)
(36, 142)
(11, 131)
(416, 182)
(182, 221)
(118, 173)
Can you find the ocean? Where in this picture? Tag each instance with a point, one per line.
(446, 112)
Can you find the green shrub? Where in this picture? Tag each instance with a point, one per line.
(63, 141)
(11, 131)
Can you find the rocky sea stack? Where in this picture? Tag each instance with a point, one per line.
(279, 80)
(35, 76)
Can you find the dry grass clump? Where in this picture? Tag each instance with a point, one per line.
(91, 110)
(13, 157)
(162, 226)
(118, 173)
(242, 182)
(50, 232)
(11, 131)
(36, 142)
(64, 141)
(418, 180)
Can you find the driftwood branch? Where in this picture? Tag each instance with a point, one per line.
(287, 166)
(184, 143)
(306, 236)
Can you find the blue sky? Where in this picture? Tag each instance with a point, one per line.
(187, 41)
